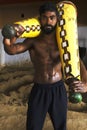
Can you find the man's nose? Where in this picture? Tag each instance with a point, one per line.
(49, 20)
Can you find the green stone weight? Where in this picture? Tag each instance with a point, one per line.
(8, 31)
(75, 97)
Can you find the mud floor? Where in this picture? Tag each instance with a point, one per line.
(15, 85)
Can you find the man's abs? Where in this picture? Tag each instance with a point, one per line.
(47, 77)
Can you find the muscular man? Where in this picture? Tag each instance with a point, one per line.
(48, 93)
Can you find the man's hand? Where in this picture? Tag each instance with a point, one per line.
(79, 86)
(19, 30)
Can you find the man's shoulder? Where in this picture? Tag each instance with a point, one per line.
(31, 41)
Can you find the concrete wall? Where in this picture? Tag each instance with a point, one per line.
(11, 13)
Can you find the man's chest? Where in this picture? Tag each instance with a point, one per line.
(44, 50)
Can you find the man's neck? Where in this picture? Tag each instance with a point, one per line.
(48, 39)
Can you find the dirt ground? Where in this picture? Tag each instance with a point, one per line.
(15, 85)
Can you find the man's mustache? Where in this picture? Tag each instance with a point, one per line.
(49, 26)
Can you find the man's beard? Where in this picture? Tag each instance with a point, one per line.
(48, 29)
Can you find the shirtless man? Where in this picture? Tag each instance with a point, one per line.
(48, 93)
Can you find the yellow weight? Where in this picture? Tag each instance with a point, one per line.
(31, 26)
(67, 39)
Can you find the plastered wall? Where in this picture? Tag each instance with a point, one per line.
(11, 13)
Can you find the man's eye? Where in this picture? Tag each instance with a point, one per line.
(53, 17)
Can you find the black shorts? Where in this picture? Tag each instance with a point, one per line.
(51, 98)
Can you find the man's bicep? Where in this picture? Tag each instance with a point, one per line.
(22, 46)
(14, 48)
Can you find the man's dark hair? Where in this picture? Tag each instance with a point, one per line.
(48, 6)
